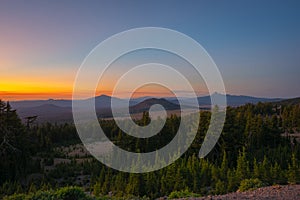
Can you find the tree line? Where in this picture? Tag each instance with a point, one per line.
(256, 146)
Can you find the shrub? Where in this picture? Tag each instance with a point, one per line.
(15, 197)
(65, 193)
(42, 195)
(70, 193)
(182, 194)
(220, 187)
(250, 184)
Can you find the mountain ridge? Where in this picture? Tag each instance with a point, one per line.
(63, 108)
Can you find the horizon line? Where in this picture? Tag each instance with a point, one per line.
(150, 96)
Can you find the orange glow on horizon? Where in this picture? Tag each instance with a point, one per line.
(17, 96)
(37, 88)
(19, 90)
(16, 92)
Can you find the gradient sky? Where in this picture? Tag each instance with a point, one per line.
(255, 44)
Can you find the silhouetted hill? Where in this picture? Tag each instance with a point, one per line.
(35, 103)
(232, 100)
(47, 112)
(104, 101)
(285, 102)
(146, 104)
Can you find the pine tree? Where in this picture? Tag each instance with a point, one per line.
(97, 189)
(224, 167)
(220, 187)
(180, 180)
(265, 170)
(13, 144)
(106, 184)
(293, 171)
(286, 119)
(233, 181)
(276, 174)
(135, 185)
(242, 169)
(152, 185)
(256, 171)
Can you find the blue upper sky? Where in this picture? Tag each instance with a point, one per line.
(255, 44)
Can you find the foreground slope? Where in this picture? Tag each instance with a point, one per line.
(278, 192)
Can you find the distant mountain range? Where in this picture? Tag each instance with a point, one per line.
(61, 110)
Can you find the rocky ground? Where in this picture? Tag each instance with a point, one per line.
(280, 192)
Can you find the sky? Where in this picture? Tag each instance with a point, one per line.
(255, 44)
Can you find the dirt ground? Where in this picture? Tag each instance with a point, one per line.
(280, 192)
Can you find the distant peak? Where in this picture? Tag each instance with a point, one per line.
(103, 96)
(155, 99)
(217, 93)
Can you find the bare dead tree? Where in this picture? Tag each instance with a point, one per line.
(30, 120)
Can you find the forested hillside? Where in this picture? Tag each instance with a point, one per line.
(259, 146)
